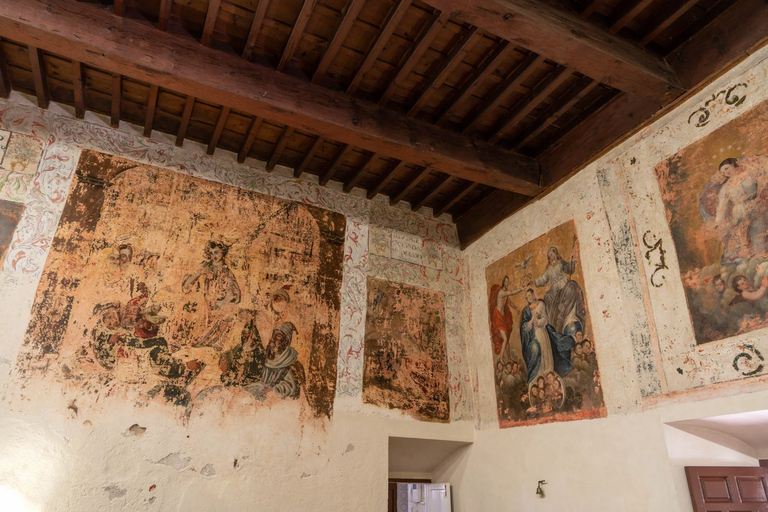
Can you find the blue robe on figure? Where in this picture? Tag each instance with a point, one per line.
(561, 348)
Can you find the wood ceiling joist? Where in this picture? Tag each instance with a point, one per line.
(296, 32)
(210, 22)
(359, 173)
(350, 15)
(149, 117)
(316, 145)
(220, 124)
(164, 14)
(668, 20)
(117, 97)
(78, 89)
(445, 69)
(256, 24)
(394, 167)
(589, 9)
(469, 205)
(189, 104)
(250, 136)
(453, 200)
(38, 75)
(571, 41)
(432, 192)
(333, 167)
(394, 19)
(531, 100)
(282, 142)
(627, 14)
(485, 213)
(119, 8)
(179, 63)
(5, 78)
(409, 185)
(416, 52)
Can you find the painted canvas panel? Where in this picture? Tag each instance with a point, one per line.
(164, 287)
(716, 197)
(545, 367)
(405, 364)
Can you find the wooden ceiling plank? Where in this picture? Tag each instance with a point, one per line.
(416, 52)
(256, 24)
(210, 22)
(117, 98)
(441, 182)
(5, 78)
(119, 7)
(569, 40)
(78, 88)
(467, 209)
(533, 99)
(455, 199)
(149, 118)
(415, 180)
(216, 77)
(389, 173)
(296, 32)
(589, 9)
(220, 124)
(189, 104)
(519, 75)
(38, 76)
(330, 171)
(486, 69)
(394, 19)
(669, 19)
(627, 14)
(164, 14)
(316, 145)
(446, 67)
(282, 142)
(250, 136)
(350, 15)
(359, 172)
(557, 109)
(491, 209)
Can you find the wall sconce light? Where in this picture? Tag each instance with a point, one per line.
(539, 490)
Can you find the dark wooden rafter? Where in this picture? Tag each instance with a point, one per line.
(359, 172)
(256, 24)
(296, 32)
(409, 185)
(446, 67)
(589, 9)
(486, 69)
(668, 20)
(416, 52)
(214, 76)
(250, 136)
(467, 208)
(38, 76)
(149, 117)
(282, 142)
(78, 89)
(432, 192)
(627, 14)
(333, 167)
(314, 148)
(453, 200)
(348, 20)
(164, 14)
(210, 22)
(530, 101)
(485, 213)
(394, 19)
(218, 130)
(117, 98)
(186, 115)
(521, 73)
(389, 173)
(119, 8)
(567, 39)
(5, 78)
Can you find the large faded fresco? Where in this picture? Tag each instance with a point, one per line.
(716, 197)
(164, 287)
(545, 368)
(405, 364)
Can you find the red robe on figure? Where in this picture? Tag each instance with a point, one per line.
(499, 321)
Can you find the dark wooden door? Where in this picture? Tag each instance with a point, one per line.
(728, 489)
(392, 497)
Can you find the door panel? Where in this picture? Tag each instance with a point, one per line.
(728, 489)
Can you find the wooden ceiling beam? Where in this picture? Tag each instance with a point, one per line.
(296, 32)
(38, 76)
(282, 142)
(5, 78)
(189, 104)
(409, 185)
(589, 9)
(350, 15)
(119, 7)
(330, 171)
(436, 188)
(149, 116)
(218, 130)
(78, 89)
(164, 14)
(179, 63)
(256, 24)
(453, 200)
(416, 52)
(314, 148)
(446, 67)
(352, 182)
(210, 22)
(389, 173)
(250, 136)
(394, 19)
(571, 41)
(117, 98)
(629, 12)
(668, 19)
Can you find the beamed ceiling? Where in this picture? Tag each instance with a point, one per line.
(470, 107)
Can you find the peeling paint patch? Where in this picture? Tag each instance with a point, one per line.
(135, 430)
(350, 448)
(208, 470)
(176, 460)
(114, 492)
